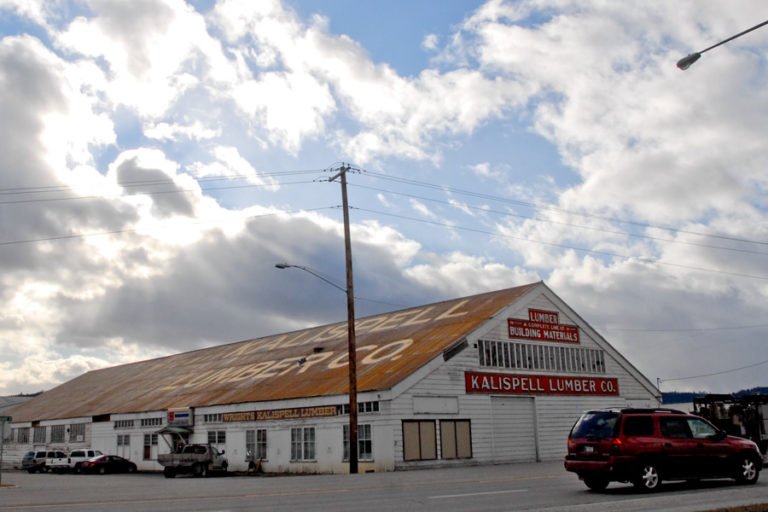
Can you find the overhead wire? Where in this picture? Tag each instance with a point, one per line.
(540, 206)
(565, 246)
(723, 372)
(560, 223)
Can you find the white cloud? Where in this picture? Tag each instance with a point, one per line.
(172, 131)
(430, 42)
(113, 123)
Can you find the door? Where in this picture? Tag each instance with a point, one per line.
(679, 448)
(514, 429)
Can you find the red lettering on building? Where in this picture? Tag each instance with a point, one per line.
(543, 328)
(539, 384)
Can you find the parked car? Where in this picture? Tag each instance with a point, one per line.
(646, 446)
(77, 457)
(108, 464)
(56, 462)
(38, 460)
(28, 462)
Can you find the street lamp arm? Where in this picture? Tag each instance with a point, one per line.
(310, 271)
(686, 61)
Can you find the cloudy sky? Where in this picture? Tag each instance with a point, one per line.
(159, 157)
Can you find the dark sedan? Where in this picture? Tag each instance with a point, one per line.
(108, 464)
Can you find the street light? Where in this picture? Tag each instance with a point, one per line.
(688, 60)
(283, 266)
(351, 358)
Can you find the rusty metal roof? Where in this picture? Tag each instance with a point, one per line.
(306, 363)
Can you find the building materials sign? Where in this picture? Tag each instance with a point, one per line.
(542, 326)
(500, 383)
(282, 414)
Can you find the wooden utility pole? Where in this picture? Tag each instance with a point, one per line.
(351, 348)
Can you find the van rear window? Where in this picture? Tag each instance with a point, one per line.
(596, 425)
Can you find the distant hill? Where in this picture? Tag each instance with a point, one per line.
(681, 397)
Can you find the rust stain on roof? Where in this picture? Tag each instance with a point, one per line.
(306, 363)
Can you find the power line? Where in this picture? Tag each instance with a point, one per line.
(159, 181)
(536, 206)
(716, 373)
(569, 224)
(156, 192)
(564, 246)
(692, 329)
(136, 230)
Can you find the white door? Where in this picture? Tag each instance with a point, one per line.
(514, 429)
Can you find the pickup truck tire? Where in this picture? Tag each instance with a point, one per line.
(169, 472)
(78, 468)
(201, 470)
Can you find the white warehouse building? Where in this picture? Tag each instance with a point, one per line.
(495, 377)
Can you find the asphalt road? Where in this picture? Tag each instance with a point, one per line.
(542, 486)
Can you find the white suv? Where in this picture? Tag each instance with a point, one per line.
(77, 457)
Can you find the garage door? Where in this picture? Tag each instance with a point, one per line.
(514, 429)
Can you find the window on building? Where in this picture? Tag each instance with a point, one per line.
(362, 407)
(22, 435)
(455, 439)
(364, 442)
(303, 444)
(77, 433)
(40, 435)
(527, 356)
(217, 437)
(261, 443)
(152, 422)
(150, 440)
(256, 444)
(419, 440)
(212, 418)
(123, 440)
(123, 424)
(57, 433)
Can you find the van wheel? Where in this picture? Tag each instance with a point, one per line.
(746, 470)
(596, 483)
(647, 477)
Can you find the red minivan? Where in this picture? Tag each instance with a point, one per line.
(646, 446)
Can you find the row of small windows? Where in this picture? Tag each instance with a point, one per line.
(527, 356)
(144, 422)
(362, 407)
(59, 433)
